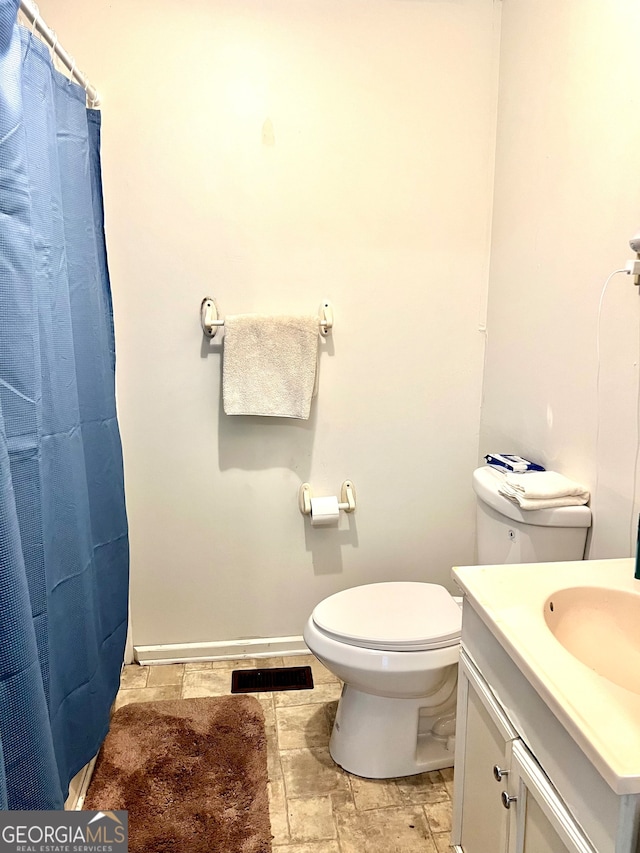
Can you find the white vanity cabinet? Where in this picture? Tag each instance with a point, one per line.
(483, 739)
(521, 784)
(503, 801)
(540, 821)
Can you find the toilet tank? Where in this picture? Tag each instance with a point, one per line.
(508, 534)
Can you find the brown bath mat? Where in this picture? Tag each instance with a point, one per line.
(192, 774)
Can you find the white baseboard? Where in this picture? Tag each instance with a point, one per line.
(225, 650)
(78, 787)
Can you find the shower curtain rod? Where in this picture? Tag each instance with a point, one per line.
(32, 14)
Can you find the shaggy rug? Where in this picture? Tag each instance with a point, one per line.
(192, 773)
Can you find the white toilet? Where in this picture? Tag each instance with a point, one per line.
(395, 645)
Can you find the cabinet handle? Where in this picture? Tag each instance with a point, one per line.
(507, 800)
(498, 773)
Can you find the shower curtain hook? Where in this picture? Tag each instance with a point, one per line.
(36, 15)
(73, 68)
(55, 43)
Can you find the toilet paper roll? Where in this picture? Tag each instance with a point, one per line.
(324, 511)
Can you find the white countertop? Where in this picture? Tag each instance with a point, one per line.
(601, 717)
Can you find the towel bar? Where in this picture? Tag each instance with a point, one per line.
(210, 321)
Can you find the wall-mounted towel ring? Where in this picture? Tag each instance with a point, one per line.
(210, 320)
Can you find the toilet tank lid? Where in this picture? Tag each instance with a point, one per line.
(485, 484)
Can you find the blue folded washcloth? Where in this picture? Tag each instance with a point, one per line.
(508, 462)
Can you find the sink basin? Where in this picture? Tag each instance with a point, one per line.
(601, 628)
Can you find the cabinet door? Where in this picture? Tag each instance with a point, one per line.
(540, 822)
(483, 736)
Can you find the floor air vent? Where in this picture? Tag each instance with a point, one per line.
(277, 678)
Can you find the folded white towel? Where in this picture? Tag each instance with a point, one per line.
(541, 485)
(543, 490)
(269, 365)
(550, 503)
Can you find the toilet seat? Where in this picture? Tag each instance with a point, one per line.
(397, 616)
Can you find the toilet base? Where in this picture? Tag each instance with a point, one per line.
(378, 737)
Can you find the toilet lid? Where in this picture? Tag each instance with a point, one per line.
(396, 616)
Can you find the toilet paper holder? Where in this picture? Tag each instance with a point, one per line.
(347, 495)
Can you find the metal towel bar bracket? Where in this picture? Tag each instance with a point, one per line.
(210, 320)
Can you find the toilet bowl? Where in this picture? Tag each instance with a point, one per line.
(395, 645)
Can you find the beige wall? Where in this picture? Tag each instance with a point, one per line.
(376, 194)
(567, 199)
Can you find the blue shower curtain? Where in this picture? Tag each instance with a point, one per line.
(63, 526)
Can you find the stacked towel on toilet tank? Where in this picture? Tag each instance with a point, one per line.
(543, 490)
(270, 364)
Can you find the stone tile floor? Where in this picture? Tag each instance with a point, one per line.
(315, 806)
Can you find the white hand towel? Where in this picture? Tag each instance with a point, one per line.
(550, 503)
(269, 365)
(545, 485)
(543, 490)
